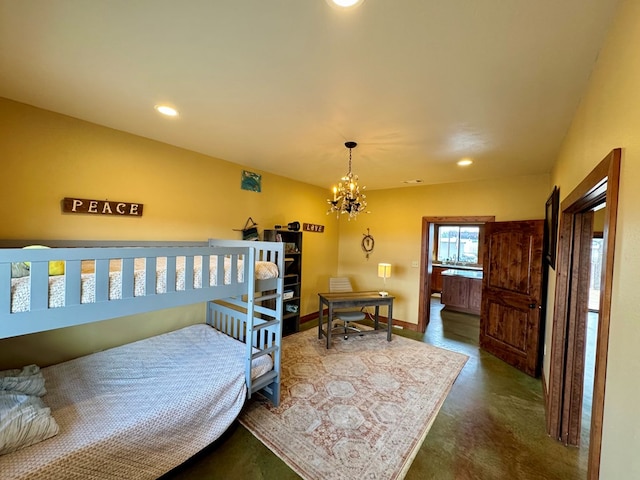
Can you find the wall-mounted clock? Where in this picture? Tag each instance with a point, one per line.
(367, 243)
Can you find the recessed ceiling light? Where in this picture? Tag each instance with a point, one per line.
(465, 162)
(345, 3)
(166, 110)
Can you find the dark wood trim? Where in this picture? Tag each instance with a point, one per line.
(577, 329)
(426, 262)
(310, 317)
(559, 329)
(460, 220)
(604, 321)
(426, 272)
(600, 185)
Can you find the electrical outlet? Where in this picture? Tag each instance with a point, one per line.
(414, 264)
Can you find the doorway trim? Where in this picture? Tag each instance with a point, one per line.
(567, 343)
(426, 260)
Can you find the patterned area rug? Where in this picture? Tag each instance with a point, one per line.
(359, 410)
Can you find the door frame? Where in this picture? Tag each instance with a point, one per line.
(426, 260)
(567, 343)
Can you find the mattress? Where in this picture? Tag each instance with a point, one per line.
(139, 410)
(21, 287)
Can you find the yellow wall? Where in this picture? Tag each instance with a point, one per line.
(45, 156)
(609, 117)
(395, 222)
(187, 196)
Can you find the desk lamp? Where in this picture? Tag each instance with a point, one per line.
(384, 272)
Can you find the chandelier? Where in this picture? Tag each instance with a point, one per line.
(347, 198)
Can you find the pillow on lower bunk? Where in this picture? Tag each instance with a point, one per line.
(28, 380)
(24, 420)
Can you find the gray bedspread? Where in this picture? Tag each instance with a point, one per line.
(137, 411)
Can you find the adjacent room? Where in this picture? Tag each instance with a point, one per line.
(418, 218)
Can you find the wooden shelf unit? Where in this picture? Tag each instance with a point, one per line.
(292, 277)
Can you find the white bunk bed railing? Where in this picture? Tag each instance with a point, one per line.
(137, 292)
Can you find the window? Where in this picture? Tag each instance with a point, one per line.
(459, 244)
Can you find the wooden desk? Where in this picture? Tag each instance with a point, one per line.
(354, 299)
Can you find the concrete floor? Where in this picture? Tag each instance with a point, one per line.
(491, 426)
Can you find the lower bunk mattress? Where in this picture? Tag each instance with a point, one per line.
(139, 410)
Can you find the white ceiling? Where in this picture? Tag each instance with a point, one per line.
(280, 85)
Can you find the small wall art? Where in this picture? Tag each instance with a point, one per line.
(251, 181)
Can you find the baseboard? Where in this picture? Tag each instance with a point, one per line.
(405, 325)
(309, 318)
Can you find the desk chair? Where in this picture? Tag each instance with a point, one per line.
(341, 285)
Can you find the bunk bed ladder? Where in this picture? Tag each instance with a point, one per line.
(254, 318)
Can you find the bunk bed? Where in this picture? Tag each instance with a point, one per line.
(139, 410)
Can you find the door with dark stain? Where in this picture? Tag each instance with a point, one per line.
(511, 293)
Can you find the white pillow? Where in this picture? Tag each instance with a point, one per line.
(24, 420)
(28, 381)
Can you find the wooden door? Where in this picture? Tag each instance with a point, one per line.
(511, 293)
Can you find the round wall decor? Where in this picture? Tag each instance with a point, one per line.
(367, 243)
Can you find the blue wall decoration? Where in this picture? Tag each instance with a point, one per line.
(251, 181)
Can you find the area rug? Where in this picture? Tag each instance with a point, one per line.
(359, 410)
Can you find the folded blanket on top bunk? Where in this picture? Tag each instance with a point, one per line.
(138, 410)
(21, 287)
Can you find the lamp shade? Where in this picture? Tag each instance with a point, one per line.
(384, 270)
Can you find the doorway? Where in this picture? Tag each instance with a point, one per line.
(426, 260)
(567, 367)
(593, 314)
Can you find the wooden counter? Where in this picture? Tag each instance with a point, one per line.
(462, 290)
(438, 268)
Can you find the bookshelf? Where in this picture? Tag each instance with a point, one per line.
(292, 276)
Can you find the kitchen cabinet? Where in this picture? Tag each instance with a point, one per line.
(436, 279)
(462, 290)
